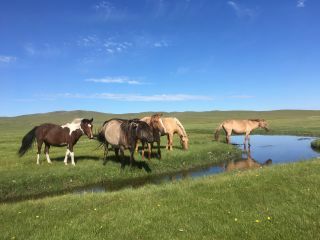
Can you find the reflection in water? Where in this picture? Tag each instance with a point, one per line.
(247, 162)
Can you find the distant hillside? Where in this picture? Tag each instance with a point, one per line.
(189, 118)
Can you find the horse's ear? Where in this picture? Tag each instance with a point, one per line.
(91, 120)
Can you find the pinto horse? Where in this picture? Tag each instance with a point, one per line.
(58, 136)
(241, 126)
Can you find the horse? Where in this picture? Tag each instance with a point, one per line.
(245, 163)
(174, 126)
(123, 134)
(158, 128)
(58, 136)
(241, 126)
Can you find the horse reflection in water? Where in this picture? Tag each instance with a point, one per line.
(247, 162)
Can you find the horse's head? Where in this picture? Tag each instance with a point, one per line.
(86, 126)
(143, 131)
(156, 123)
(184, 142)
(263, 124)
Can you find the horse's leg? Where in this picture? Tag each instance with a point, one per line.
(105, 153)
(137, 146)
(66, 156)
(116, 151)
(159, 151)
(122, 156)
(142, 150)
(149, 150)
(39, 143)
(168, 140)
(46, 151)
(106, 150)
(72, 154)
(131, 154)
(171, 142)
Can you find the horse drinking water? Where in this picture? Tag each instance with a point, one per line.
(241, 126)
(58, 136)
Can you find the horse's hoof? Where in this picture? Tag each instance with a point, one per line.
(65, 163)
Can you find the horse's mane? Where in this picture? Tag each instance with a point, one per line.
(122, 120)
(256, 120)
(181, 127)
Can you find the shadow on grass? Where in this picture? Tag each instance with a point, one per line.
(126, 162)
(77, 158)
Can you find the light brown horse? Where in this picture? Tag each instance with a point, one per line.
(158, 128)
(174, 126)
(241, 126)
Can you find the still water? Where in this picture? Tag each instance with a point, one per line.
(264, 150)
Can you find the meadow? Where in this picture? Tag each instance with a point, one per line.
(223, 206)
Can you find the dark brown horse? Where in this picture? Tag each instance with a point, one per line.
(58, 136)
(123, 134)
(158, 129)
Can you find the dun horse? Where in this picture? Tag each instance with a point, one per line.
(172, 126)
(58, 136)
(158, 129)
(241, 126)
(123, 134)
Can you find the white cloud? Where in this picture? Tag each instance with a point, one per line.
(107, 11)
(113, 46)
(43, 50)
(161, 44)
(240, 10)
(88, 41)
(301, 3)
(139, 98)
(115, 80)
(7, 59)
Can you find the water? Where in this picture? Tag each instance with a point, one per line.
(264, 150)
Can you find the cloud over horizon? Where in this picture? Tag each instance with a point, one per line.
(114, 80)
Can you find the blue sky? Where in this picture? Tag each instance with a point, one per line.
(159, 55)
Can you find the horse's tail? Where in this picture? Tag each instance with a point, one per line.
(27, 141)
(101, 137)
(217, 132)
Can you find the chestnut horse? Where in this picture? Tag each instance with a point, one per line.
(58, 136)
(241, 126)
(158, 129)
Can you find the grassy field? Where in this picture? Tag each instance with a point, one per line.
(22, 178)
(277, 202)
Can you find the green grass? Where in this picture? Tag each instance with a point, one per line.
(277, 202)
(21, 177)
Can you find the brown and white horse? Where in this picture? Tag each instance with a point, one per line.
(241, 126)
(174, 126)
(158, 129)
(58, 136)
